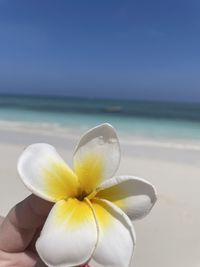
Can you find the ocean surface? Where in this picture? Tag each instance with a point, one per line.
(155, 120)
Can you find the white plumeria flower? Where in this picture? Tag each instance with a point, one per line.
(91, 218)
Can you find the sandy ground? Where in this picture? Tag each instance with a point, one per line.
(170, 235)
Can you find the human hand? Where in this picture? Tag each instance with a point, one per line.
(19, 231)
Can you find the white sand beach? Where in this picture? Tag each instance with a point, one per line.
(170, 235)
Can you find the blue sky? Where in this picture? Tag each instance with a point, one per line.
(126, 49)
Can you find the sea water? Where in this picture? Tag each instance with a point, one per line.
(155, 120)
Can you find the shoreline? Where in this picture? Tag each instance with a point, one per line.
(127, 138)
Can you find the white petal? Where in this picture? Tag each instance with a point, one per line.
(69, 235)
(45, 173)
(97, 156)
(133, 195)
(116, 242)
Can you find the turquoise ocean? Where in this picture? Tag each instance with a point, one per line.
(157, 120)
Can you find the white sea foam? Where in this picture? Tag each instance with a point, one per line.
(172, 144)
